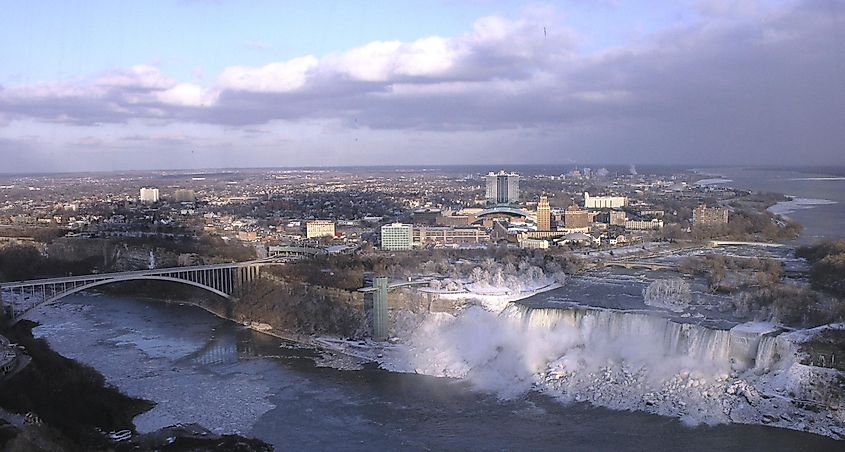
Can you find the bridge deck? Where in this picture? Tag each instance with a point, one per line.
(121, 275)
(224, 280)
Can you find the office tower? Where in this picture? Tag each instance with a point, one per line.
(544, 215)
(502, 188)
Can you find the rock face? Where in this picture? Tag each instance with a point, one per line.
(115, 257)
(303, 309)
(192, 438)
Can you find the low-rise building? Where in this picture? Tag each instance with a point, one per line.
(319, 228)
(448, 236)
(643, 225)
(604, 202)
(455, 220)
(534, 244)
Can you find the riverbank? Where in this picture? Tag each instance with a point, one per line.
(71, 406)
(70, 397)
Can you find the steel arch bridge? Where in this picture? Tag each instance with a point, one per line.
(225, 280)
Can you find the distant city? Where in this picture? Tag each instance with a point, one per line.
(384, 209)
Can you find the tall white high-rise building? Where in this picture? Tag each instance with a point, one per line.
(149, 195)
(502, 188)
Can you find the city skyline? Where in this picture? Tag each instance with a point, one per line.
(186, 85)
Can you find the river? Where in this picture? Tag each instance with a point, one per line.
(198, 368)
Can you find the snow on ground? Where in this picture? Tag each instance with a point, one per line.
(495, 298)
(784, 208)
(713, 181)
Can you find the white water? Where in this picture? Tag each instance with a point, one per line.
(768, 354)
(632, 336)
(618, 359)
(508, 352)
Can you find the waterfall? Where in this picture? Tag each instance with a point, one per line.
(638, 335)
(151, 265)
(767, 354)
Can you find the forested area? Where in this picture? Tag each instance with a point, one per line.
(828, 261)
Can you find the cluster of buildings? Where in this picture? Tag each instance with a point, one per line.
(503, 218)
(391, 209)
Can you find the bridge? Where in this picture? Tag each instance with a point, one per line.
(396, 285)
(224, 280)
(295, 252)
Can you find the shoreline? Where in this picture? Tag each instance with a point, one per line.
(795, 203)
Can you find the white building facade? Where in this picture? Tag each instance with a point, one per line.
(604, 202)
(319, 228)
(149, 195)
(397, 237)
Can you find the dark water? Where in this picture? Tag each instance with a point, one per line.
(201, 369)
(820, 221)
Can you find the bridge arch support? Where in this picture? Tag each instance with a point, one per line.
(18, 315)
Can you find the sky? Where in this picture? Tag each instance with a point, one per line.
(105, 85)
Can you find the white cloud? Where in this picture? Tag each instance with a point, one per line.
(719, 86)
(139, 76)
(280, 77)
(187, 95)
(384, 61)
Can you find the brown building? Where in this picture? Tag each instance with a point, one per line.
(617, 218)
(544, 215)
(455, 220)
(426, 216)
(708, 216)
(573, 218)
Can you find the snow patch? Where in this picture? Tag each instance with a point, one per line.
(784, 208)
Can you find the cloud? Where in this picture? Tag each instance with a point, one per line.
(187, 95)
(139, 77)
(280, 77)
(744, 82)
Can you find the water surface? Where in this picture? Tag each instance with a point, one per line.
(199, 368)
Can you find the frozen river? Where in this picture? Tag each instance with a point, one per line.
(198, 368)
